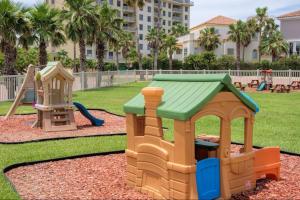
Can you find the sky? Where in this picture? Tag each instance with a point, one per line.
(203, 10)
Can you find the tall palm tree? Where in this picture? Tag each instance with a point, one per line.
(274, 45)
(170, 44)
(250, 32)
(237, 32)
(105, 31)
(47, 28)
(137, 4)
(155, 42)
(261, 20)
(209, 39)
(15, 30)
(170, 41)
(126, 44)
(80, 19)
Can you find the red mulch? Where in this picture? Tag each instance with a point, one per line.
(18, 128)
(103, 177)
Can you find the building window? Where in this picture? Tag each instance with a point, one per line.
(186, 17)
(141, 37)
(164, 4)
(179, 51)
(141, 46)
(298, 48)
(164, 22)
(254, 54)
(170, 14)
(186, 9)
(149, 18)
(141, 17)
(291, 48)
(141, 27)
(169, 23)
(230, 51)
(119, 3)
(149, 28)
(110, 55)
(149, 9)
(170, 6)
(111, 2)
(164, 13)
(89, 52)
(185, 52)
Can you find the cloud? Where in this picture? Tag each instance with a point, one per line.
(239, 9)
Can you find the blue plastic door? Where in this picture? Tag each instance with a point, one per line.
(208, 179)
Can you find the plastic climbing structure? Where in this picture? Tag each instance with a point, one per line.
(190, 168)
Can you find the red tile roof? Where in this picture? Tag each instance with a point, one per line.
(218, 20)
(291, 14)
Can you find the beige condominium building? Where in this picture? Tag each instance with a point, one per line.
(172, 12)
(189, 44)
(290, 28)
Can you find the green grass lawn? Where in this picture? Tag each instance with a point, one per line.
(278, 123)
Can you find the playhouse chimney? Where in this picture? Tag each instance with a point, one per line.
(153, 98)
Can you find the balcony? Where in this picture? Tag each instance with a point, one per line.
(128, 9)
(189, 2)
(129, 29)
(177, 19)
(129, 18)
(177, 10)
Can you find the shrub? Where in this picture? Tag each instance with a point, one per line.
(225, 62)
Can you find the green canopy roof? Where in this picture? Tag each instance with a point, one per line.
(185, 95)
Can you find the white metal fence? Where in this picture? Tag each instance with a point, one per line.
(9, 85)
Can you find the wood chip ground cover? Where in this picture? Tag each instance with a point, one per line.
(103, 177)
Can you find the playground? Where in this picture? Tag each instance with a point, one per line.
(277, 119)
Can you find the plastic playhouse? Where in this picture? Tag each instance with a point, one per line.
(50, 91)
(266, 80)
(190, 168)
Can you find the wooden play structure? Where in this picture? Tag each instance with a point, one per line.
(174, 170)
(26, 94)
(54, 98)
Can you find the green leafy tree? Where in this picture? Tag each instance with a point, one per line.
(170, 44)
(237, 32)
(261, 22)
(137, 4)
(155, 41)
(209, 39)
(106, 30)
(274, 45)
(15, 30)
(47, 28)
(80, 19)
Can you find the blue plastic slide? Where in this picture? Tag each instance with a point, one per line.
(261, 86)
(85, 112)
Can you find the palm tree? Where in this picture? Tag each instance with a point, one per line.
(137, 4)
(106, 30)
(170, 44)
(47, 28)
(261, 20)
(209, 39)
(274, 45)
(237, 32)
(126, 45)
(250, 32)
(170, 41)
(15, 30)
(155, 42)
(80, 19)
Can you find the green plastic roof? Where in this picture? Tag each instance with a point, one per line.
(185, 95)
(49, 66)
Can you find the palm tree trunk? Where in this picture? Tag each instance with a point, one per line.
(158, 26)
(117, 59)
(259, 45)
(170, 60)
(155, 59)
(42, 53)
(238, 55)
(82, 54)
(100, 49)
(243, 53)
